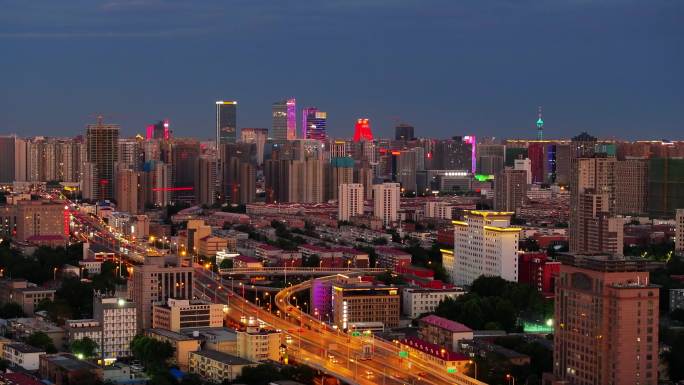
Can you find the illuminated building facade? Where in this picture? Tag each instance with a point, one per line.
(356, 302)
(102, 152)
(284, 123)
(362, 130)
(485, 243)
(314, 124)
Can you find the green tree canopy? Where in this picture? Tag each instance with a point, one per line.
(41, 340)
(152, 353)
(11, 310)
(85, 347)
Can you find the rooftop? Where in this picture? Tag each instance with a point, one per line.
(24, 348)
(169, 334)
(70, 362)
(452, 326)
(222, 357)
(608, 263)
(434, 349)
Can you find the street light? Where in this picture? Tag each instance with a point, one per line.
(509, 377)
(472, 362)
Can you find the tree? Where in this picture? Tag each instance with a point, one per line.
(675, 358)
(85, 347)
(79, 296)
(152, 353)
(58, 310)
(41, 340)
(11, 310)
(227, 263)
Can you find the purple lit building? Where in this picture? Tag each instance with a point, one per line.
(314, 123)
(284, 120)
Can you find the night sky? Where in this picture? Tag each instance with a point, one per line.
(452, 67)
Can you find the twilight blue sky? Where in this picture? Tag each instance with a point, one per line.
(612, 67)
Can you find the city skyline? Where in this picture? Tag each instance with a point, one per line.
(610, 73)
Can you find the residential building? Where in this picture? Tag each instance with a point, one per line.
(118, 321)
(206, 180)
(22, 355)
(386, 202)
(127, 187)
(606, 314)
(524, 165)
(485, 243)
(258, 136)
(510, 190)
(210, 245)
(157, 281)
(350, 203)
(391, 258)
(631, 191)
(439, 210)
(447, 359)
(404, 132)
(182, 314)
(665, 181)
(182, 345)
(22, 328)
(28, 219)
(443, 332)
(354, 302)
(417, 301)
(258, 345)
(216, 366)
(78, 329)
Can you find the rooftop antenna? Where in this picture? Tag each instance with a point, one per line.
(540, 124)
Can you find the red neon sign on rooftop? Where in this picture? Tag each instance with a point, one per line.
(362, 130)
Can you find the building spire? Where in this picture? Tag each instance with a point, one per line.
(540, 124)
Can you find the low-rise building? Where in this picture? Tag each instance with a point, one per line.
(122, 374)
(258, 345)
(182, 314)
(417, 301)
(441, 331)
(676, 299)
(23, 355)
(91, 266)
(538, 271)
(78, 329)
(216, 366)
(445, 358)
(25, 293)
(182, 344)
(243, 261)
(24, 327)
(391, 258)
(117, 318)
(210, 245)
(65, 369)
(221, 339)
(354, 301)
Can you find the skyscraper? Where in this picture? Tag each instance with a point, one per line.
(403, 132)
(127, 187)
(341, 171)
(631, 193)
(386, 202)
(350, 203)
(185, 153)
(258, 136)
(606, 316)
(102, 152)
(205, 182)
(159, 130)
(226, 122)
(404, 169)
(284, 114)
(362, 130)
(314, 124)
(665, 186)
(490, 158)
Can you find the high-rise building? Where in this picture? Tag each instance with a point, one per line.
(350, 202)
(226, 122)
(525, 165)
(341, 171)
(338, 149)
(7, 159)
(157, 183)
(20, 159)
(404, 169)
(631, 190)
(314, 123)
(403, 132)
(606, 317)
(454, 154)
(510, 190)
(593, 226)
(386, 202)
(679, 231)
(362, 130)
(127, 188)
(490, 158)
(179, 315)
(205, 182)
(258, 136)
(185, 153)
(156, 281)
(284, 115)
(159, 130)
(102, 152)
(665, 186)
(485, 243)
(131, 153)
(117, 318)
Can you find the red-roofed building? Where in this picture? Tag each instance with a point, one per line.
(451, 361)
(327, 257)
(442, 331)
(421, 276)
(392, 258)
(18, 379)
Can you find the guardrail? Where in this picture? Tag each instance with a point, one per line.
(301, 270)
